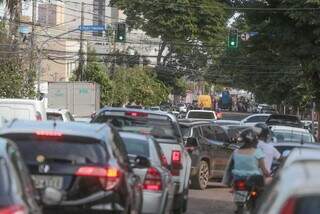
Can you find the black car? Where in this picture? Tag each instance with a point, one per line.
(284, 120)
(88, 163)
(210, 149)
(17, 193)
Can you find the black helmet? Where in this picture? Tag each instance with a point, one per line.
(263, 130)
(248, 138)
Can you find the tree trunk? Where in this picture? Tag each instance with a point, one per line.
(161, 49)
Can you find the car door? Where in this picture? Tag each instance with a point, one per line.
(211, 146)
(29, 194)
(225, 148)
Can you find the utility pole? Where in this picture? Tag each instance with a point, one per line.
(33, 39)
(81, 57)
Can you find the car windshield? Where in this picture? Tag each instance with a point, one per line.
(77, 151)
(287, 136)
(257, 119)
(185, 130)
(201, 115)
(54, 116)
(158, 128)
(137, 147)
(4, 178)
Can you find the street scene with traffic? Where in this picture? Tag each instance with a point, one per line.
(159, 106)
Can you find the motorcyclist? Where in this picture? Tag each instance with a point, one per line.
(248, 160)
(270, 152)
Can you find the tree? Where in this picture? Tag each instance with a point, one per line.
(186, 28)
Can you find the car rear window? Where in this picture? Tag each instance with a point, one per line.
(4, 178)
(137, 147)
(76, 151)
(54, 116)
(201, 115)
(282, 136)
(185, 130)
(158, 128)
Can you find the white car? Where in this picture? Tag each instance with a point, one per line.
(253, 119)
(59, 115)
(23, 109)
(296, 189)
(292, 134)
(201, 115)
(302, 154)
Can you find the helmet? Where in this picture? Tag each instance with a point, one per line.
(263, 130)
(248, 138)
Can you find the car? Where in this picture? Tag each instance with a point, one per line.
(17, 193)
(165, 129)
(284, 120)
(265, 109)
(283, 147)
(201, 115)
(292, 134)
(155, 108)
(302, 154)
(294, 190)
(227, 122)
(87, 163)
(253, 119)
(158, 189)
(24, 109)
(209, 148)
(182, 107)
(59, 115)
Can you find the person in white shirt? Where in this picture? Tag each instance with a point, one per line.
(270, 152)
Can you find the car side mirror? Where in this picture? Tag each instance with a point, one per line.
(141, 162)
(191, 142)
(51, 196)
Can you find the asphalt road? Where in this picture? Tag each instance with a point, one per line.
(214, 200)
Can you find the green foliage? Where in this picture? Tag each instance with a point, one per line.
(139, 86)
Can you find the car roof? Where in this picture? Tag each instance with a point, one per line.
(201, 111)
(295, 144)
(302, 154)
(53, 110)
(133, 135)
(95, 131)
(257, 115)
(290, 128)
(190, 122)
(22, 101)
(120, 109)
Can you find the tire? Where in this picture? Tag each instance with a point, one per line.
(200, 181)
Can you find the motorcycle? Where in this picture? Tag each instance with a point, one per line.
(246, 193)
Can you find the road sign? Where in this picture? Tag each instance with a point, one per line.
(92, 28)
(245, 36)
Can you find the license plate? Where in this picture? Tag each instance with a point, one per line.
(240, 196)
(42, 182)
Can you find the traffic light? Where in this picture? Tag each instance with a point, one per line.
(121, 32)
(233, 40)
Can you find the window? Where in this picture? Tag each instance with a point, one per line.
(308, 205)
(257, 119)
(201, 115)
(196, 132)
(208, 132)
(220, 134)
(4, 178)
(54, 116)
(137, 147)
(186, 131)
(69, 116)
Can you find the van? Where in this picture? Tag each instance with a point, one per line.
(23, 109)
(204, 102)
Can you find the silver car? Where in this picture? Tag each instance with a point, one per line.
(158, 188)
(296, 189)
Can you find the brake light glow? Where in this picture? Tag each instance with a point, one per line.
(176, 162)
(48, 134)
(14, 209)
(109, 177)
(240, 185)
(136, 114)
(152, 181)
(289, 206)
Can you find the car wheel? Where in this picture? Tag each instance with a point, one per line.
(200, 181)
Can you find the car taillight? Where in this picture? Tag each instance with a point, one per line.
(109, 177)
(152, 181)
(164, 161)
(38, 116)
(14, 209)
(176, 163)
(136, 114)
(240, 185)
(289, 206)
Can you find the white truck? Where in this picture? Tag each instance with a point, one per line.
(81, 98)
